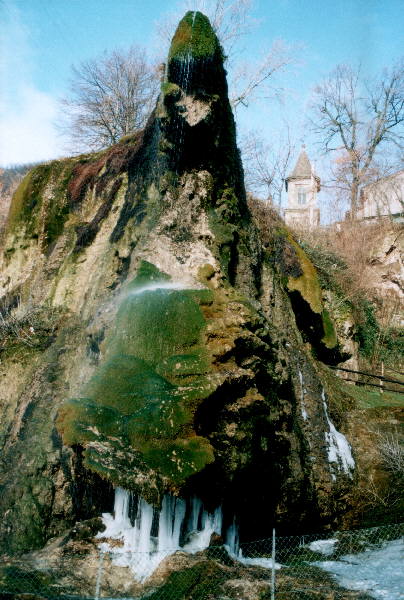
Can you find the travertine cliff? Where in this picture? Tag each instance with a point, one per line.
(159, 345)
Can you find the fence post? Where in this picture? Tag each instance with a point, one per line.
(273, 566)
(99, 576)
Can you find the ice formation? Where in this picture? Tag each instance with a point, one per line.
(339, 450)
(148, 536)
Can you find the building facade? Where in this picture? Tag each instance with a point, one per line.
(383, 198)
(302, 186)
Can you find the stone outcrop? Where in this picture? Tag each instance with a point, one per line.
(168, 349)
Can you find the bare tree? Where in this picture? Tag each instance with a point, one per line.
(110, 96)
(266, 165)
(251, 81)
(358, 119)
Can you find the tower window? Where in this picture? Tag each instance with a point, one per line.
(301, 197)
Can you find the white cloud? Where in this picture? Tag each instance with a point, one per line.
(27, 130)
(27, 114)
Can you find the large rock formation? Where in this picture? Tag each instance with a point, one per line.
(158, 344)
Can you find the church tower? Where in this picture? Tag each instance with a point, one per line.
(302, 186)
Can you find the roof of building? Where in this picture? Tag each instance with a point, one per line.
(395, 175)
(302, 167)
(303, 170)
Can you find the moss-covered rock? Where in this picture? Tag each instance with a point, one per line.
(199, 582)
(144, 395)
(194, 37)
(39, 206)
(302, 282)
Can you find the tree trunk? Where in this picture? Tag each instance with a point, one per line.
(354, 198)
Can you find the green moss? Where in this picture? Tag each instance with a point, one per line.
(224, 240)
(27, 200)
(171, 91)
(180, 458)
(147, 273)
(19, 200)
(144, 395)
(15, 580)
(330, 336)
(228, 206)
(158, 323)
(42, 213)
(58, 209)
(194, 37)
(307, 284)
(199, 582)
(368, 330)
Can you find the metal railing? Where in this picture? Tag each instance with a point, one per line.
(306, 567)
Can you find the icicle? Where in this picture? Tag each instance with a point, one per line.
(233, 548)
(179, 515)
(232, 541)
(143, 552)
(339, 450)
(196, 507)
(144, 523)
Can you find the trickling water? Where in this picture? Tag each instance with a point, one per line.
(152, 287)
(303, 406)
(99, 576)
(186, 67)
(140, 549)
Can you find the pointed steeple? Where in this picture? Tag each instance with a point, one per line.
(303, 167)
(303, 170)
(302, 185)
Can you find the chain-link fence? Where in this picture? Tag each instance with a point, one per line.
(361, 564)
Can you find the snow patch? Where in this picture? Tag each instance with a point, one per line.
(378, 572)
(325, 547)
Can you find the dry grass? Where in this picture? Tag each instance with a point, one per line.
(266, 218)
(355, 242)
(31, 326)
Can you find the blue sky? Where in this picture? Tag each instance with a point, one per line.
(40, 39)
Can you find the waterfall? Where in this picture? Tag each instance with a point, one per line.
(180, 525)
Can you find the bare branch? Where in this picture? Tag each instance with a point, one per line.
(249, 77)
(110, 96)
(266, 166)
(358, 119)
